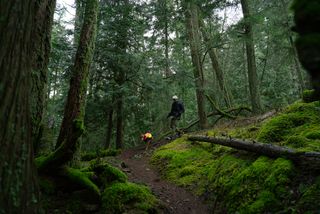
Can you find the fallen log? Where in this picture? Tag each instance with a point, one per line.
(301, 158)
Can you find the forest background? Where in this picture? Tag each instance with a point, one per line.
(130, 88)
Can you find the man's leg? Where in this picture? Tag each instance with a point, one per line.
(173, 125)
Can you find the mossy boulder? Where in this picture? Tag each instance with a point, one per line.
(128, 198)
(297, 127)
(106, 174)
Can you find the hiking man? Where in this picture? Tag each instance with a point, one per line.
(147, 138)
(177, 109)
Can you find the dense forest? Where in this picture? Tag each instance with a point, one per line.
(77, 94)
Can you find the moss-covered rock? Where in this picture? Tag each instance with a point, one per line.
(82, 179)
(106, 174)
(297, 127)
(124, 197)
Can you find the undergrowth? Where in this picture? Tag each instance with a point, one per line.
(242, 182)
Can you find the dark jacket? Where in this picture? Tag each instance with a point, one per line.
(177, 109)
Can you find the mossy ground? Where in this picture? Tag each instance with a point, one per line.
(118, 195)
(243, 182)
(124, 197)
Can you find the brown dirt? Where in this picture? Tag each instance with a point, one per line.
(176, 200)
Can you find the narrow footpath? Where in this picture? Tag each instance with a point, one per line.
(175, 199)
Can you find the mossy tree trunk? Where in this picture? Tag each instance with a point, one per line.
(40, 59)
(18, 183)
(307, 21)
(251, 59)
(72, 125)
(192, 27)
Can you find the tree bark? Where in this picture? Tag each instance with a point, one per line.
(192, 25)
(309, 158)
(72, 125)
(109, 128)
(251, 59)
(120, 70)
(18, 181)
(120, 125)
(40, 59)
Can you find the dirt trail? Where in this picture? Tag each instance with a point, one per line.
(176, 199)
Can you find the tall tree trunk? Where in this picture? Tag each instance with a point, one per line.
(72, 125)
(40, 59)
(120, 73)
(215, 64)
(120, 124)
(18, 184)
(251, 59)
(192, 25)
(109, 128)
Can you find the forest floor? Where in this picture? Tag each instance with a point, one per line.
(177, 200)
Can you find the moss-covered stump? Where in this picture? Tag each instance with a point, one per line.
(242, 182)
(128, 198)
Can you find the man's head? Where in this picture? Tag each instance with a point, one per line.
(175, 97)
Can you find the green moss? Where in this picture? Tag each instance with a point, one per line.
(313, 135)
(296, 127)
(79, 126)
(310, 198)
(104, 153)
(107, 174)
(82, 179)
(296, 141)
(309, 96)
(125, 197)
(109, 152)
(249, 132)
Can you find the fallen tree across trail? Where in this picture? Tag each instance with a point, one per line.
(310, 159)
